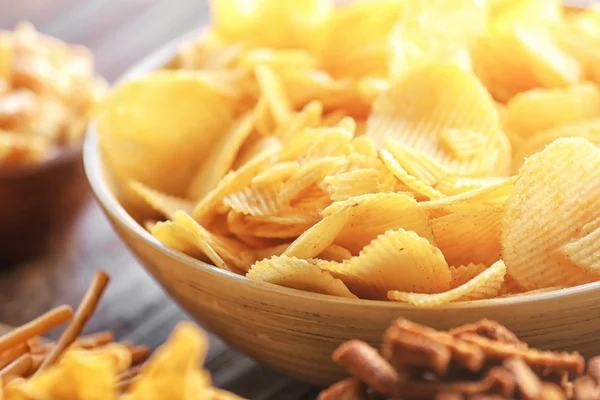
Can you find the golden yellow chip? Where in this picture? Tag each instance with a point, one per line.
(137, 114)
(396, 260)
(465, 273)
(540, 109)
(172, 237)
(469, 236)
(463, 143)
(364, 145)
(263, 119)
(451, 186)
(249, 226)
(417, 164)
(353, 183)
(308, 117)
(585, 250)
(374, 214)
(429, 100)
(277, 173)
(254, 255)
(254, 200)
(335, 253)
(553, 199)
(483, 286)
(221, 157)
(298, 274)
(161, 202)
(274, 92)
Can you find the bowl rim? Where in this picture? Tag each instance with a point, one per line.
(94, 171)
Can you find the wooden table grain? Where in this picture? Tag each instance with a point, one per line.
(119, 32)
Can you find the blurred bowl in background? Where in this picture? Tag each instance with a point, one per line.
(39, 203)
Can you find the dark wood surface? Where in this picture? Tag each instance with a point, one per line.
(119, 32)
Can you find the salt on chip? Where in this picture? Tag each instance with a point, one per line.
(556, 195)
(469, 236)
(585, 250)
(163, 203)
(431, 99)
(486, 285)
(220, 158)
(374, 214)
(396, 260)
(299, 274)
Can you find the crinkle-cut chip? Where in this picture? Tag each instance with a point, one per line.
(308, 117)
(244, 225)
(416, 185)
(277, 173)
(172, 370)
(299, 274)
(231, 183)
(272, 88)
(278, 59)
(465, 273)
(312, 199)
(486, 285)
(419, 165)
(541, 109)
(262, 118)
(136, 115)
(353, 183)
(453, 185)
(395, 260)
(357, 45)
(288, 216)
(256, 145)
(431, 99)
(320, 236)
(364, 145)
(551, 362)
(510, 286)
(589, 130)
(370, 88)
(556, 194)
(17, 148)
(469, 236)
(585, 250)
(254, 255)
(463, 143)
(505, 14)
(494, 194)
(221, 157)
(374, 214)
(228, 249)
(310, 172)
(318, 142)
(163, 203)
(335, 253)
(170, 235)
(436, 30)
(254, 200)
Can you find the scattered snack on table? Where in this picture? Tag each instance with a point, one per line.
(479, 361)
(424, 152)
(47, 92)
(93, 367)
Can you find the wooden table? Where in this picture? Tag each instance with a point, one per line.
(120, 32)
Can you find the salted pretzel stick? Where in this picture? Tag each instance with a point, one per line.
(12, 354)
(87, 342)
(37, 327)
(82, 315)
(20, 367)
(138, 353)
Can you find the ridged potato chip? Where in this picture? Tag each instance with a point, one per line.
(374, 214)
(585, 250)
(556, 195)
(353, 183)
(160, 202)
(428, 100)
(483, 286)
(254, 201)
(465, 273)
(335, 253)
(415, 185)
(171, 236)
(451, 186)
(298, 274)
(396, 260)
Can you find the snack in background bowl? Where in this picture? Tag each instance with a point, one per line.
(366, 150)
(47, 92)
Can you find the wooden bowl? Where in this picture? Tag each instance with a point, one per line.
(39, 203)
(295, 332)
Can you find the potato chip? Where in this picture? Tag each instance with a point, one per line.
(274, 92)
(227, 249)
(417, 164)
(254, 201)
(308, 117)
(555, 195)
(298, 274)
(451, 186)
(463, 143)
(171, 236)
(396, 260)
(277, 173)
(469, 236)
(221, 157)
(483, 286)
(263, 119)
(464, 273)
(353, 183)
(244, 225)
(335, 253)
(254, 255)
(138, 113)
(163, 203)
(254, 147)
(374, 214)
(364, 145)
(541, 109)
(432, 99)
(584, 250)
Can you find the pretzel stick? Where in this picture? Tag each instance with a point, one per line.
(138, 354)
(87, 342)
(12, 354)
(82, 315)
(129, 373)
(20, 367)
(37, 327)
(123, 385)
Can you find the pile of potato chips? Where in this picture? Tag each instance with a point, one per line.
(373, 150)
(47, 91)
